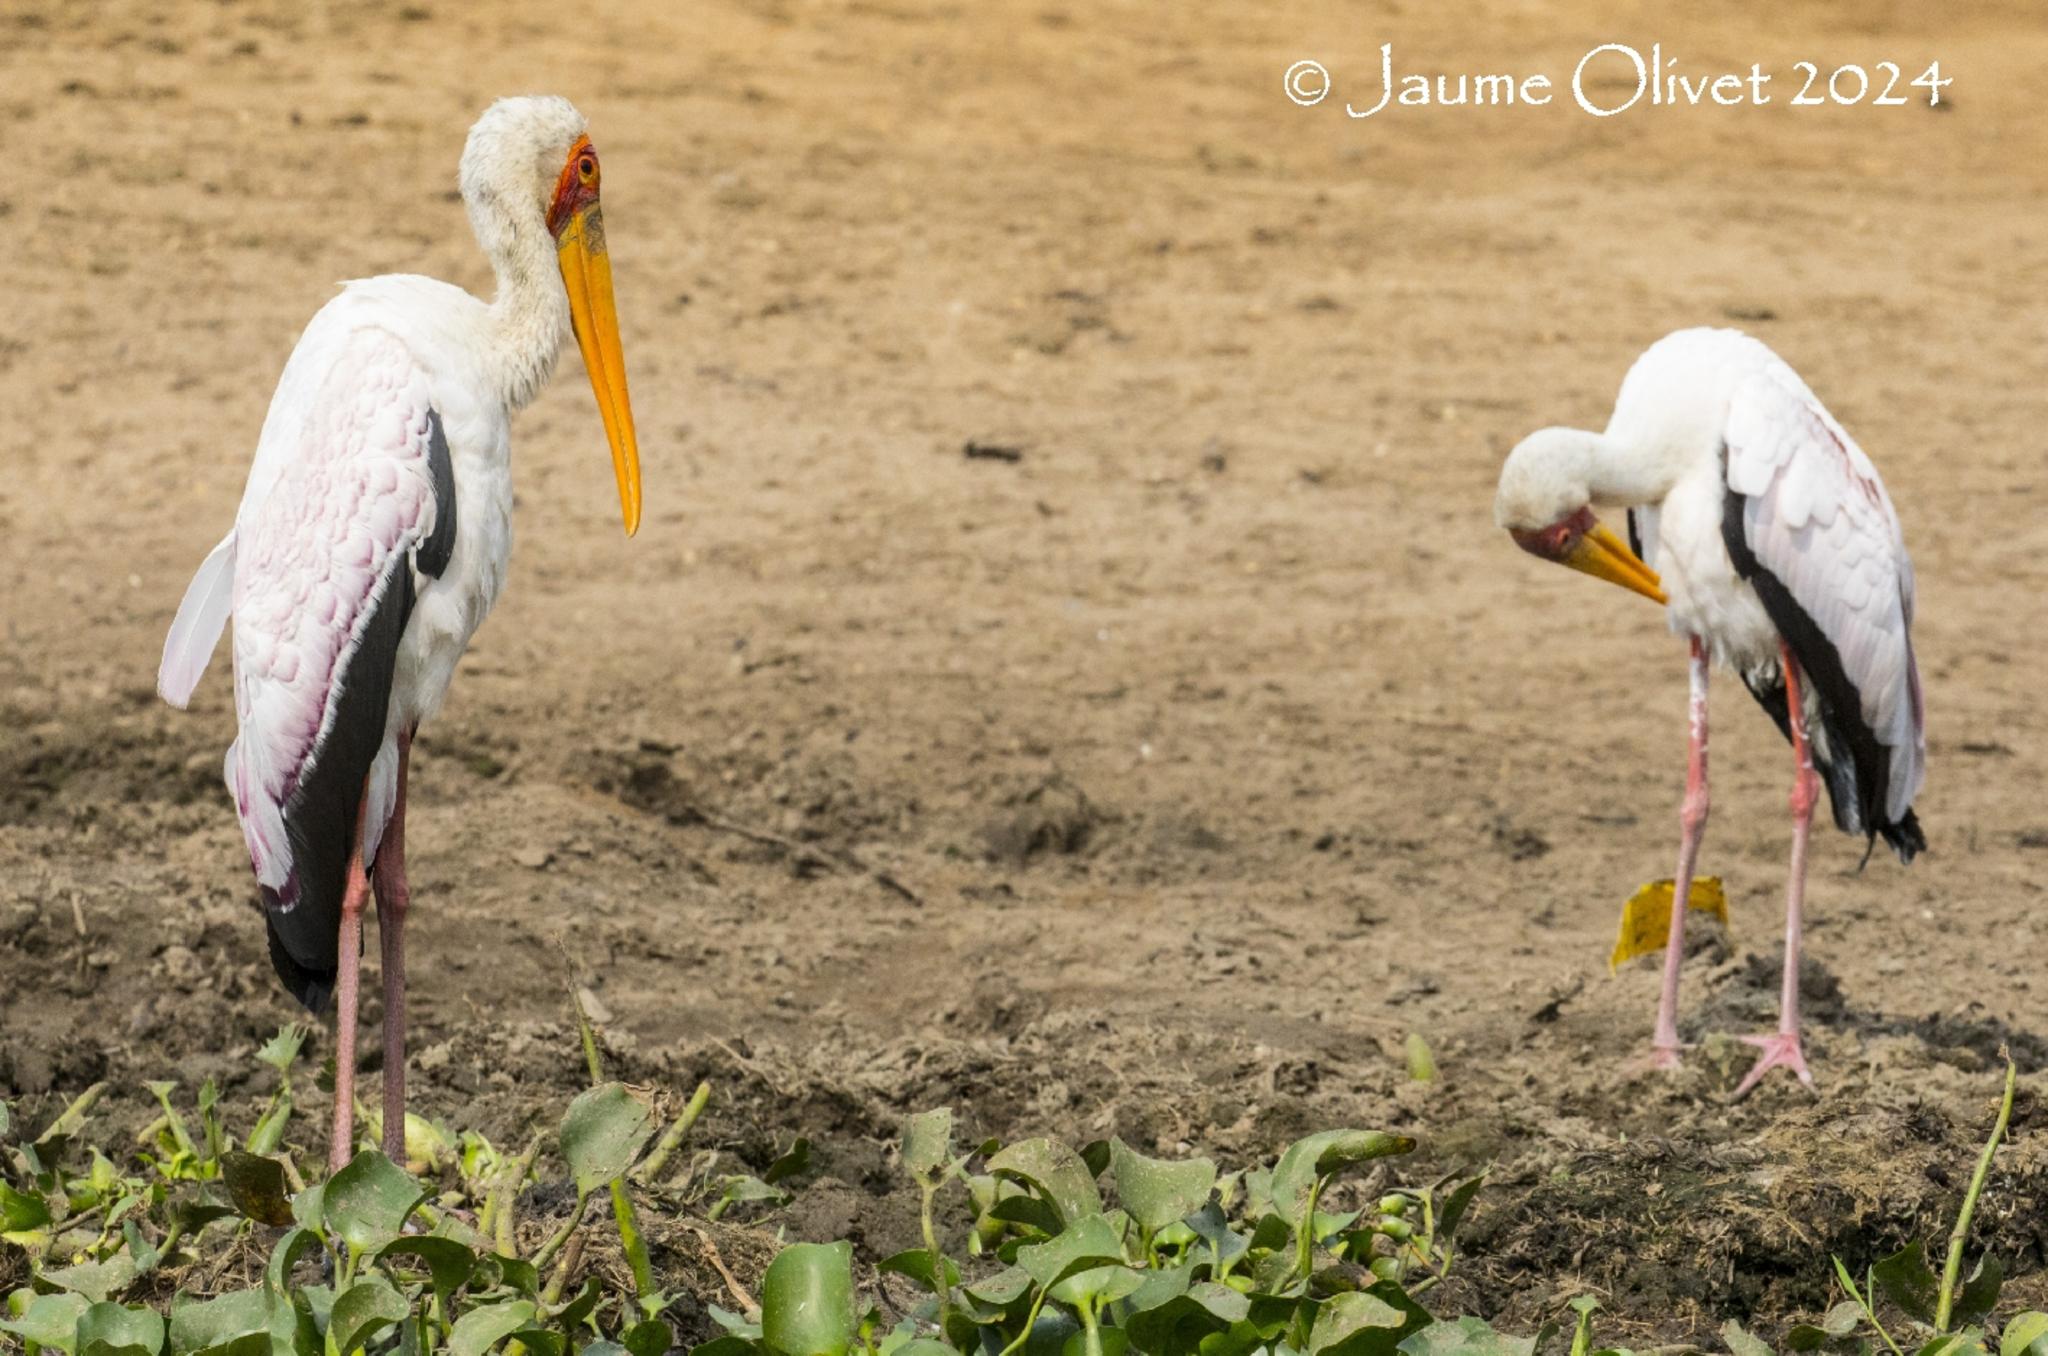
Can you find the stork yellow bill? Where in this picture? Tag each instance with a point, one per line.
(1605, 556)
(578, 224)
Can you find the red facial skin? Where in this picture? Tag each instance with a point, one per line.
(1559, 539)
(576, 188)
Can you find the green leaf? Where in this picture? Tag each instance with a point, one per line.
(95, 1280)
(1156, 1192)
(1465, 1337)
(1741, 1343)
(1224, 1245)
(108, 1329)
(1161, 1285)
(482, 1328)
(916, 1263)
(651, 1337)
(1098, 1285)
(790, 1164)
(238, 1316)
(1804, 1337)
(257, 1187)
(19, 1213)
(1180, 1324)
(1359, 1323)
(1969, 1342)
(928, 1143)
(807, 1300)
(294, 1245)
(1002, 1288)
(726, 1345)
(363, 1310)
(603, 1132)
(1320, 1155)
(1421, 1063)
(1905, 1280)
(49, 1321)
(448, 1263)
(1088, 1242)
(2025, 1335)
(1055, 1172)
(1979, 1293)
(366, 1203)
(1454, 1207)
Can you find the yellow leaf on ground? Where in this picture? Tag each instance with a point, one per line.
(1646, 918)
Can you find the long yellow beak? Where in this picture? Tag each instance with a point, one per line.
(1605, 556)
(587, 274)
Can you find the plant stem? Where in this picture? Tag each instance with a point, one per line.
(1961, 1233)
(1030, 1322)
(1305, 1259)
(672, 1138)
(561, 1235)
(940, 1283)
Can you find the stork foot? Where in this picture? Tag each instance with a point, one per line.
(1665, 1058)
(1780, 1048)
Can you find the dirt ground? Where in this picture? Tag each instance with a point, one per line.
(1158, 779)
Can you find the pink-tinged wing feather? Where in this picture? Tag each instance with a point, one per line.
(352, 495)
(1817, 517)
(195, 631)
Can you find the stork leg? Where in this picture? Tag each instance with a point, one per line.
(1692, 819)
(394, 898)
(1782, 1046)
(341, 1147)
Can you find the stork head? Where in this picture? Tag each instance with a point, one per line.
(529, 164)
(1545, 502)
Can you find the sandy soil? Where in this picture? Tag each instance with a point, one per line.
(1217, 742)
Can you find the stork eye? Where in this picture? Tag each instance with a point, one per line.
(586, 169)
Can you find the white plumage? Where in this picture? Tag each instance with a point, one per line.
(373, 537)
(1778, 554)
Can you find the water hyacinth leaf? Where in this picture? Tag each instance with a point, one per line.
(1320, 1155)
(307, 1207)
(116, 1330)
(1181, 1323)
(2025, 1335)
(580, 1308)
(736, 1324)
(1979, 1293)
(448, 1263)
(1905, 1280)
(728, 1345)
(238, 1316)
(1465, 1337)
(1030, 1211)
(1098, 1285)
(49, 1321)
(650, 1337)
(603, 1348)
(807, 1300)
(916, 1263)
(928, 1143)
(366, 1203)
(1969, 1342)
(482, 1328)
(1358, 1324)
(362, 1311)
(1741, 1342)
(544, 1342)
(1156, 1192)
(1095, 1156)
(517, 1273)
(1224, 1245)
(1454, 1207)
(1161, 1285)
(603, 1132)
(257, 1187)
(20, 1212)
(1804, 1337)
(94, 1280)
(1054, 1171)
(1089, 1241)
(741, 1189)
(790, 1164)
(1108, 1342)
(1002, 1288)
(920, 1346)
(294, 1245)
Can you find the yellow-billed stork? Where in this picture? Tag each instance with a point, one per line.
(370, 543)
(1777, 553)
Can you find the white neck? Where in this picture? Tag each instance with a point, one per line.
(529, 316)
(1616, 472)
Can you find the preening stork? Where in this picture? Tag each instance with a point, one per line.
(1778, 554)
(370, 543)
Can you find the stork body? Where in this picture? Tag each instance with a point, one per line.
(1778, 554)
(373, 539)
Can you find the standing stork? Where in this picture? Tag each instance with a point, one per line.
(1778, 555)
(372, 540)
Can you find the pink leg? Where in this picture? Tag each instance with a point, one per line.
(1782, 1047)
(1692, 819)
(394, 898)
(341, 1147)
